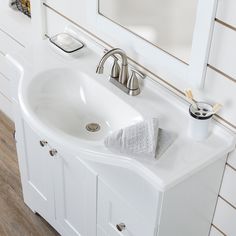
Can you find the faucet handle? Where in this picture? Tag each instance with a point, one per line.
(135, 71)
(133, 83)
(115, 71)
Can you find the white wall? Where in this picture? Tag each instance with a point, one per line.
(220, 85)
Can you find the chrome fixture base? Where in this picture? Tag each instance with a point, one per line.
(120, 75)
(134, 92)
(124, 88)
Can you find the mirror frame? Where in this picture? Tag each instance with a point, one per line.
(169, 68)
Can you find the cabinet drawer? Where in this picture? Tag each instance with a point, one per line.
(114, 210)
(5, 88)
(228, 190)
(15, 23)
(7, 44)
(4, 67)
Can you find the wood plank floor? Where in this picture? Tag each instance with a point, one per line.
(16, 219)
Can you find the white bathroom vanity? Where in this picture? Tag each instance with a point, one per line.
(79, 186)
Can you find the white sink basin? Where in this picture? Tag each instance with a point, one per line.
(68, 101)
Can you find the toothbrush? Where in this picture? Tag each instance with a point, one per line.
(215, 109)
(189, 95)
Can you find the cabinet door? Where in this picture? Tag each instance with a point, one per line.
(75, 196)
(36, 171)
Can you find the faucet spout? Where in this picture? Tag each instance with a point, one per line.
(123, 77)
(99, 69)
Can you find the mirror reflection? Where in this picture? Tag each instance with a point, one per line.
(167, 24)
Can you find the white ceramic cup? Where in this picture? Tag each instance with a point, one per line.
(200, 121)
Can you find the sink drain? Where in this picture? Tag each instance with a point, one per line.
(93, 127)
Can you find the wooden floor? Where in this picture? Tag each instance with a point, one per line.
(16, 219)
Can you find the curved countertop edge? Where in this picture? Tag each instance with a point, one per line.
(108, 158)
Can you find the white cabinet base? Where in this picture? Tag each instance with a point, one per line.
(82, 199)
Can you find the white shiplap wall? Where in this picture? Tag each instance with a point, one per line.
(220, 85)
(225, 215)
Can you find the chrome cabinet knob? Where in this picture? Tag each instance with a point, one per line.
(53, 152)
(121, 227)
(43, 143)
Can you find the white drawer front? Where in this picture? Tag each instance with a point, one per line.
(223, 50)
(5, 88)
(224, 219)
(15, 23)
(228, 189)
(136, 191)
(4, 67)
(113, 210)
(215, 232)
(232, 158)
(8, 45)
(226, 11)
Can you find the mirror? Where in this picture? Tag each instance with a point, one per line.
(167, 24)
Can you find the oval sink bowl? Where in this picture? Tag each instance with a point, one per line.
(77, 104)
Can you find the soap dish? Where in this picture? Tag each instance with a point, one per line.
(66, 42)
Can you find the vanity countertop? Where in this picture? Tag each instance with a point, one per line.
(183, 158)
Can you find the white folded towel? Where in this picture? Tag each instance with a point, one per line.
(142, 139)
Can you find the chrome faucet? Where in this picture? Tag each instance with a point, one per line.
(120, 76)
(123, 75)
